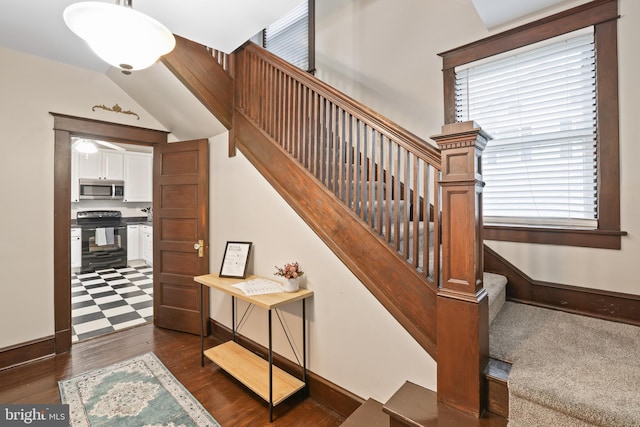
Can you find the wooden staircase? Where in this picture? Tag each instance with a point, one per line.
(380, 197)
(308, 123)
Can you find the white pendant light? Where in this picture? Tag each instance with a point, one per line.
(121, 36)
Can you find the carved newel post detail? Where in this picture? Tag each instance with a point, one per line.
(463, 305)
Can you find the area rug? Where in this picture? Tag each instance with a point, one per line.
(134, 393)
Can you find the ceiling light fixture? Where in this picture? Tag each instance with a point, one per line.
(85, 146)
(119, 35)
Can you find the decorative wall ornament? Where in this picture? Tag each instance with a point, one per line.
(116, 109)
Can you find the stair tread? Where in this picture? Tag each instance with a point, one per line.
(369, 414)
(414, 405)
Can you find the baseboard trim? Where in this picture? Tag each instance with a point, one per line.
(320, 389)
(606, 305)
(26, 352)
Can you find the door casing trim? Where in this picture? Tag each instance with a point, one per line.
(65, 127)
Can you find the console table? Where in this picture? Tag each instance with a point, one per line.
(269, 382)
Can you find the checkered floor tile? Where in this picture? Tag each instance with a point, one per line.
(108, 300)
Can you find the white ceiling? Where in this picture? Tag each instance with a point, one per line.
(495, 13)
(36, 27)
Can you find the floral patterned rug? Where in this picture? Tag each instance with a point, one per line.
(137, 392)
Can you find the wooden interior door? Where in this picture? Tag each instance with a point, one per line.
(180, 221)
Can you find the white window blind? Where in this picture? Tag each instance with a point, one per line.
(539, 106)
(289, 37)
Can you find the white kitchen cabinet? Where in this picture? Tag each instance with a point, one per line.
(101, 165)
(138, 177)
(76, 248)
(146, 243)
(133, 242)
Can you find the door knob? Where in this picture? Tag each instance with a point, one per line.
(199, 246)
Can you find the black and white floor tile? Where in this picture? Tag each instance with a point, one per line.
(108, 300)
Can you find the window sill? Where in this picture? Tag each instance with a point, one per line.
(602, 239)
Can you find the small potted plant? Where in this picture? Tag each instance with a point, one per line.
(291, 273)
(149, 213)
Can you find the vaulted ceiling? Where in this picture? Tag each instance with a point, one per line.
(36, 27)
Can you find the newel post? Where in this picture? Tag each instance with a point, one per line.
(463, 305)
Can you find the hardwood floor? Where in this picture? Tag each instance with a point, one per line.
(230, 403)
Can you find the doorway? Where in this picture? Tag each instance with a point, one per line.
(67, 127)
(111, 237)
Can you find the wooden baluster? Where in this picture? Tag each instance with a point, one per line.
(388, 191)
(462, 307)
(415, 206)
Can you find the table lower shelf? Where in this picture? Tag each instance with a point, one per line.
(253, 371)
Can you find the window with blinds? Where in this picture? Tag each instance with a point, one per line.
(289, 37)
(539, 105)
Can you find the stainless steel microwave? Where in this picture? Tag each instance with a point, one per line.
(101, 189)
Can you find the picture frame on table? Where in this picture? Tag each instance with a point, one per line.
(235, 260)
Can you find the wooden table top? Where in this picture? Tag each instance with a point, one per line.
(266, 301)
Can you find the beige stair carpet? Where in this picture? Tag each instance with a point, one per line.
(568, 370)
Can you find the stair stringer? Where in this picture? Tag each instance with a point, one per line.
(396, 284)
(194, 65)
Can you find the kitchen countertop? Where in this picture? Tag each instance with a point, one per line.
(137, 221)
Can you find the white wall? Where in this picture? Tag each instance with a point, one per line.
(384, 54)
(353, 341)
(31, 88)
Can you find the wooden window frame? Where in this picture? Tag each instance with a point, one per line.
(602, 15)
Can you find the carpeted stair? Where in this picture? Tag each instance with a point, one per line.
(568, 370)
(413, 405)
(496, 287)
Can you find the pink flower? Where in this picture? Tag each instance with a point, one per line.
(289, 271)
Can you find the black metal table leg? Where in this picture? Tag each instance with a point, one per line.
(304, 347)
(270, 373)
(233, 318)
(202, 325)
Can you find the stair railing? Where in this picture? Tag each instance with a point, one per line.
(387, 176)
(223, 59)
(412, 195)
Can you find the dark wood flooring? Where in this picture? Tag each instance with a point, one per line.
(230, 403)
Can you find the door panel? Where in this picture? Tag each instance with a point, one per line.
(184, 195)
(174, 229)
(174, 262)
(180, 209)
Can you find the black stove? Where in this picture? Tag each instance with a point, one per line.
(99, 217)
(104, 240)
